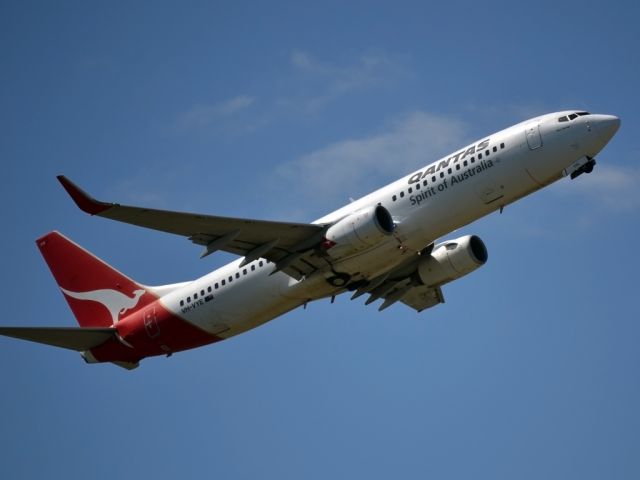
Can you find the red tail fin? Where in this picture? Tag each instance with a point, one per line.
(97, 293)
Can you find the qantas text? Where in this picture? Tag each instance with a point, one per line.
(437, 166)
(450, 182)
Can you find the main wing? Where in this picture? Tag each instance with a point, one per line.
(291, 246)
(401, 284)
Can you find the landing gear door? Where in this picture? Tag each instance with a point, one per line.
(534, 140)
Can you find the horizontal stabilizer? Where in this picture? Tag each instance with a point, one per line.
(73, 338)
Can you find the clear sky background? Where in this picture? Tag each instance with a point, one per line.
(284, 110)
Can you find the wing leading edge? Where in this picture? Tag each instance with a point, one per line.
(291, 246)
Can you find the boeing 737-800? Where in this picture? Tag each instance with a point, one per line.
(383, 245)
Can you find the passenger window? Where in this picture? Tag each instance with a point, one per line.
(401, 194)
(410, 190)
(209, 289)
(216, 286)
(495, 149)
(253, 268)
(223, 282)
(188, 299)
(202, 293)
(181, 303)
(394, 198)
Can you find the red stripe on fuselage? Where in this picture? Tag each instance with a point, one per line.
(152, 330)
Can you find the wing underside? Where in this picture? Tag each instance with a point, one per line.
(401, 285)
(292, 247)
(418, 297)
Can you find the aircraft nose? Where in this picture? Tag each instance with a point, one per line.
(606, 126)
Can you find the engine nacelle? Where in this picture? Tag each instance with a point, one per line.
(359, 231)
(451, 260)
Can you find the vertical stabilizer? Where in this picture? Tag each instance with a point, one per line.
(98, 294)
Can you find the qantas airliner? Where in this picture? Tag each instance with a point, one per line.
(384, 245)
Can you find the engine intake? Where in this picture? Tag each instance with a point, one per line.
(359, 231)
(451, 260)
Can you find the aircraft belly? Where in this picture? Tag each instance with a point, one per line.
(441, 215)
(245, 306)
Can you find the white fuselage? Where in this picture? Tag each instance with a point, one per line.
(425, 205)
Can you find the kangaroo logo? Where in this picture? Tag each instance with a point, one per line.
(117, 303)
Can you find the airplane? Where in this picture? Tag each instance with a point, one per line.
(384, 245)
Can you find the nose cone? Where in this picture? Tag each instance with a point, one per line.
(606, 126)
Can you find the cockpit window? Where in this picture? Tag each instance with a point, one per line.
(573, 116)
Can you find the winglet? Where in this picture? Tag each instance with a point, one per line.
(85, 202)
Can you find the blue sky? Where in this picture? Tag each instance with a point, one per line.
(284, 111)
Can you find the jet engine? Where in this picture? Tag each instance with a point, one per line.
(358, 231)
(451, 260)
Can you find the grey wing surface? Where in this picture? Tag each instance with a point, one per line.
(401, 285)
(290, 246)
